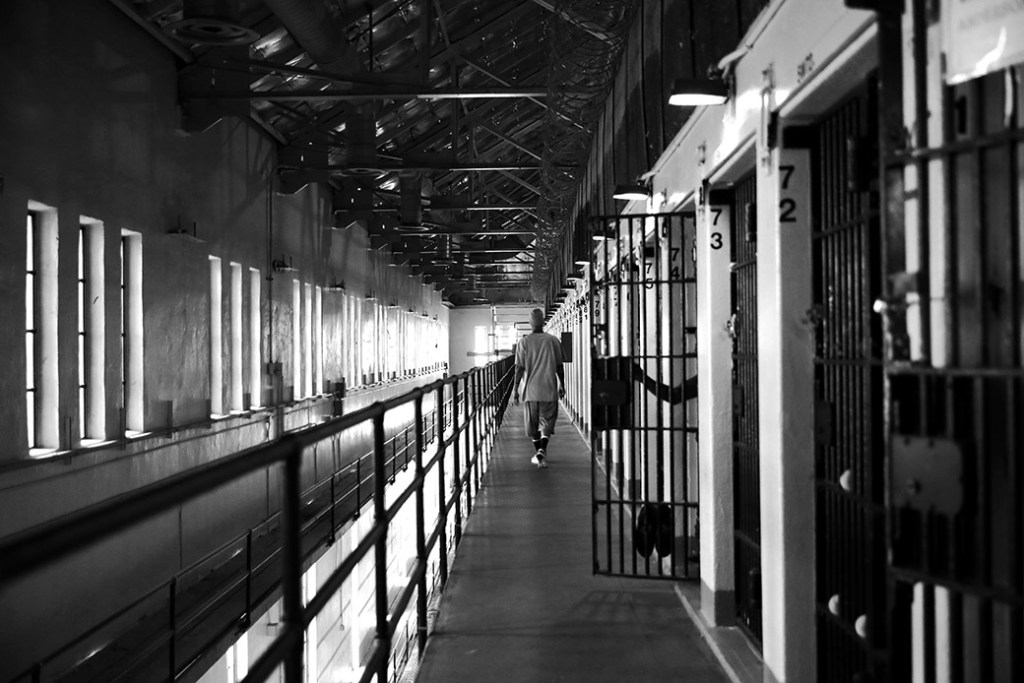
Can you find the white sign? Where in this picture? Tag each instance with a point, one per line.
(982, 36)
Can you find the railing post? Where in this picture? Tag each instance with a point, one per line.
(421, 540)
(381, 547)
(467, 395)
(442, 495)
(359, 484)
(456, 442)
(173, 625)
(291, 560)
(247, 622)
(394, 459)
(477, 415)
(330, 535)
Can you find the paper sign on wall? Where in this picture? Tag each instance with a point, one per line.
(982, 36)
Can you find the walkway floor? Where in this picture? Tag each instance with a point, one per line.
(522, 603)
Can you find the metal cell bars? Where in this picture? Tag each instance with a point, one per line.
(483, 394)
(643, 423)
(746, 453)
(574, 319)
(849, 476)
(957, 540)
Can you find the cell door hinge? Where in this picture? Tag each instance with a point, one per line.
(772, 137)
(824, 424)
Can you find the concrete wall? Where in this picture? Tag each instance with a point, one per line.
(89, 126)
(462, 330)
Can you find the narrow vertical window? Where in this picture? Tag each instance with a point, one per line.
(356, 334)
(237, 402)
(91, 332)
(403, 349)
(131, 332)
(307, 340)
(318, 340)
(379, 358)
(370, 340)
(41, 378)
(82, 402)
(390, 338)
(216, 340)
(346, 347)
(255, 353)
(30, 333)
(296, 339)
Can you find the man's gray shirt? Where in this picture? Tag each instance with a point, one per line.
(540, 356)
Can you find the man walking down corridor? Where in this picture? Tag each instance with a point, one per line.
(539, 361)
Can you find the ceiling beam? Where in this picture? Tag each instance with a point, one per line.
(459, 231)
(509, 141)
(464, 166)
(519, 181)
(365, 94)
(488, 24)
(506, 83)
(574, 19)
(373, 80)
(449, 207)
(487, 250)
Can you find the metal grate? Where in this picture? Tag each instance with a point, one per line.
(746, 455)
(644, 436)
(849, 471)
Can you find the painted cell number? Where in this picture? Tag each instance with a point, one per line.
(716, 237)
(787, 205)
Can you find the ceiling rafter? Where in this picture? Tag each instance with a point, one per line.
(425, 54)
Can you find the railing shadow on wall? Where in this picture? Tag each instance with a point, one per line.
(469, 407)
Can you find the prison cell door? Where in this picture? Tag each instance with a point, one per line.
(954, 353)
(746, 457)
(849, 463)
(644, 416)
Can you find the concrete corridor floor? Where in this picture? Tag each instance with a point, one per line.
(522, 603)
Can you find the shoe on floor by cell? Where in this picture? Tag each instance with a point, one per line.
(539, 460)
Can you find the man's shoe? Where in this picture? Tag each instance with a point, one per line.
(539, 460)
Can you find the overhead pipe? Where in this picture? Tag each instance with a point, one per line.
(320, 33)
(410, 186)
(323, 36)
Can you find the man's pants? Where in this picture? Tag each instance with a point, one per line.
(539, 417)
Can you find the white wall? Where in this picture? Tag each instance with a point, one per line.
(463, 322)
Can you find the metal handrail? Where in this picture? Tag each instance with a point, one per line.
(195, 614)
(487, 389)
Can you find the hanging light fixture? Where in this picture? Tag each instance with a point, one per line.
(604, 232)
(631, 192)
(698, 92)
